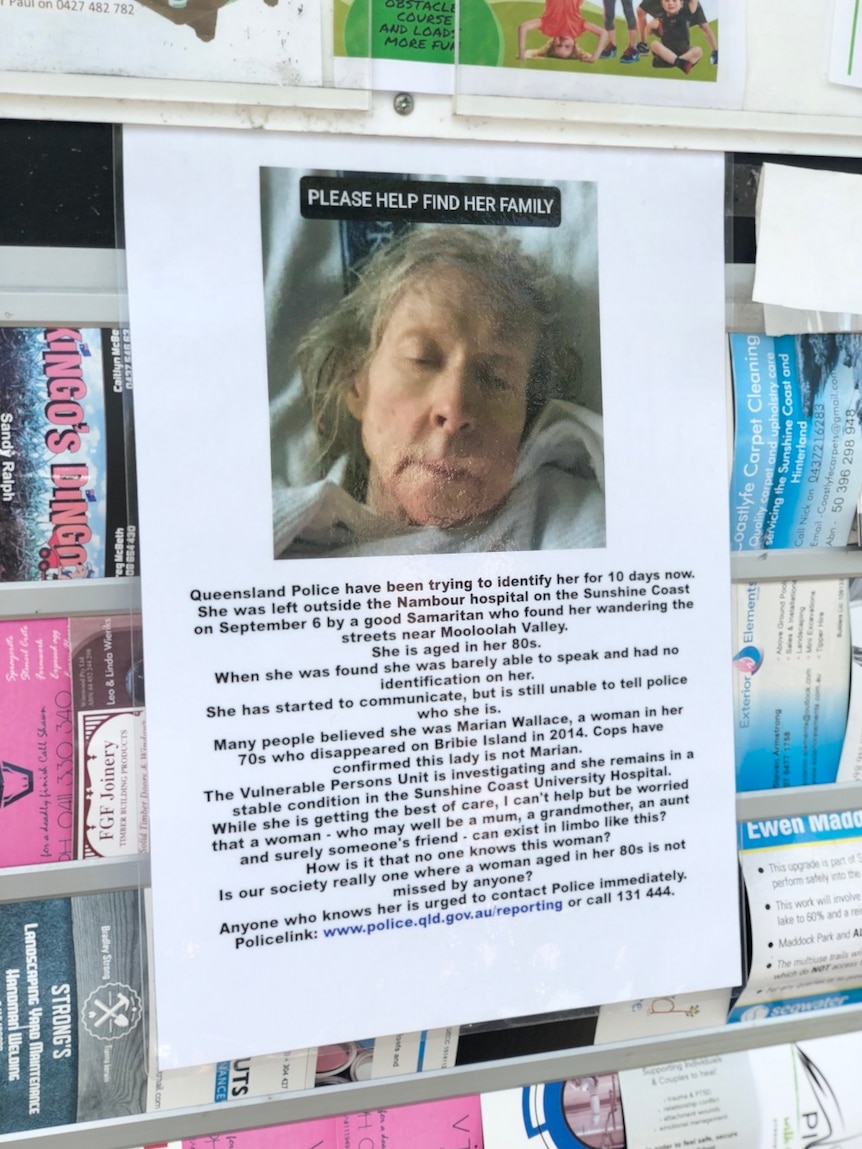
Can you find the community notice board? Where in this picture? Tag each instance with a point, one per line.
(436, 596)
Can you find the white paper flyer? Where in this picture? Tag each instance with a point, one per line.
(431, 703)
(581, 1113)
(796, 1096)
(803, 876)
(845, 64)
(655, 1016)
(242, 41)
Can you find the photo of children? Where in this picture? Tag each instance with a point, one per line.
(631, 53)
(435, 387)
(672, 20)
(602, 37)
(563, 23)
(673, 47)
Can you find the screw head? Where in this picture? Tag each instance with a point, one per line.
(403, 103)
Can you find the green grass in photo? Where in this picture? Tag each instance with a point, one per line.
(489, 37)
(510, 14)
(396, 34)
(340, 12)
(481, 36)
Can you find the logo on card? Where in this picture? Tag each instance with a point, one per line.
(15, 783)
(755, 1013)
(111, 1011)
(749, 660)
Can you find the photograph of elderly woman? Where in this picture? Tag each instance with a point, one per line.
(434, 388)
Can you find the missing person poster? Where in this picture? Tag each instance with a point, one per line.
(436, 595)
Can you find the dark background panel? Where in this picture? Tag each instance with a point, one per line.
(56, 184)
(743, 174)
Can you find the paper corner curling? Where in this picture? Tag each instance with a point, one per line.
(809, 239)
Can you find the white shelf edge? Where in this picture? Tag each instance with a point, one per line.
(328, 110)
(100, 875)
(807, 562)
(173, 1125)
(85, 596)
(68, 879)
(822, 799)
(155, 92)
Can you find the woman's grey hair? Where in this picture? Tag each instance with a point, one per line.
(339, 346)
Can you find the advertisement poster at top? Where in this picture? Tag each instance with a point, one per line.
(679, 53)
(431, 572)
(272, 42)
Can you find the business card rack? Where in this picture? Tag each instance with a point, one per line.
(45, 285)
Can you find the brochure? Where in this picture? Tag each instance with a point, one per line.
(110, 736)
(37, 764)
(67, 510)
(242, 42)
(329, 1065)
(581, 1113)
(655, 1016)
(449, 1124)
(73, 780)
(72, 1023)
(797, 465)
(802, 876)
(419, 473)
(850, 763)
(231, 1080)
(791, 677)
(795, 1096)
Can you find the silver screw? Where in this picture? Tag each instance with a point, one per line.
(403, 103)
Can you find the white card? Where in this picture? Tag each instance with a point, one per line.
(815, 276)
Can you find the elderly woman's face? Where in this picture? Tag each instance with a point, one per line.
(443, 401)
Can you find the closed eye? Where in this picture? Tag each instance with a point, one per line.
(423, 353)
(491, 380)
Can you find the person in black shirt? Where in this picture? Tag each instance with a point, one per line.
(674, 48)
(652, 10)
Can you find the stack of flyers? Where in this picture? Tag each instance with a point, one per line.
(797, 1096)
(797, 466)
(803, 876)
(67, 510)
(581, 1113)
(300, 1069)
(73, 781)
(791, 679)
(449, 1124)
(850, 764)
(656, 1016)
(73, 1016)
